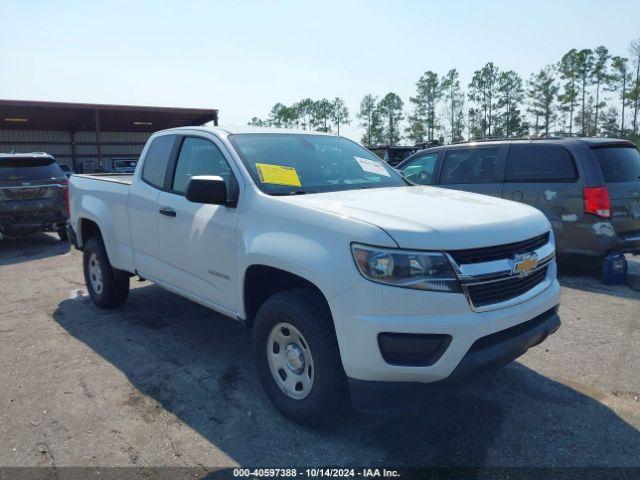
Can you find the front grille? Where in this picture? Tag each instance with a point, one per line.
(498, 252)
(489, 293)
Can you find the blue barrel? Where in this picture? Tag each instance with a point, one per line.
(614, 269)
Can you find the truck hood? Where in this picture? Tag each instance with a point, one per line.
(427, 218)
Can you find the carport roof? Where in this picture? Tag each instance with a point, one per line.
(36, 115)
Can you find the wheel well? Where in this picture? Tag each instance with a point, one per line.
(261, 282)
(88, 229)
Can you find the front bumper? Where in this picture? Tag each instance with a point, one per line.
(489, 352)
(368, 309)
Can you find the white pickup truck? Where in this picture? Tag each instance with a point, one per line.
(358, 285)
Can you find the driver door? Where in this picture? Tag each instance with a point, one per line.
(198, 242)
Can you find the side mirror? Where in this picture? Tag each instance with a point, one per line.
(207, 189)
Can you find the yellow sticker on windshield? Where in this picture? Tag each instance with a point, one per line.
(278, 174)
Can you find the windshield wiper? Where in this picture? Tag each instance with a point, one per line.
(292, 192)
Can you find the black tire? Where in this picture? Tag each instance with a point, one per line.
(62, 233)
(307, 311)
(114, 289)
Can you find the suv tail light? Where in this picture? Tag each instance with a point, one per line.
(597, 202)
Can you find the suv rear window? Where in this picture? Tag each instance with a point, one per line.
(26, 169)
(540, 163)
(470, 165)
(619, 164)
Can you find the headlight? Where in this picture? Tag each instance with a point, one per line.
(407, 269)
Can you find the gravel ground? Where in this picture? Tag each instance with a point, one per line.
(165, 382)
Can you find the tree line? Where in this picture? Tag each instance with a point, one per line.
(319, 115)
(588, 92)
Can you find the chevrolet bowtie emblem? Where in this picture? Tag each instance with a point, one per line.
(525, 264)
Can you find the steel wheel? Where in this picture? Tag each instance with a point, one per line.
(290, 360)
(95, 273)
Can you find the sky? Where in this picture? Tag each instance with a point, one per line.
(241, 57)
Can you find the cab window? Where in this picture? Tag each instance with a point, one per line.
(157, 159)
(199, 156)
(470, 165)
(420, 170)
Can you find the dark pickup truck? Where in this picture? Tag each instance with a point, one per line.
(33, 195)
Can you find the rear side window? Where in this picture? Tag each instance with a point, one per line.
(619, 164)
(157, 159)
(199, 157)
(16, 169)
(470, 165)
(540, 163)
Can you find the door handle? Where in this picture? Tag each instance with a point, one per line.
(169, 212)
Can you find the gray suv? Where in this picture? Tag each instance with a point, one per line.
(589, 188)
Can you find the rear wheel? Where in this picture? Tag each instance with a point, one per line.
(107, 290)
(297, 357)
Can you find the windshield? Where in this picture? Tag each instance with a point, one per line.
(285, 164)
(619, 164)
(21, 169)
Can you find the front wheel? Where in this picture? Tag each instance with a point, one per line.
(297, 357)
(107, 290)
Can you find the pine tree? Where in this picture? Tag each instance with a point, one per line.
(584, 66)
(542, 92)
(415, 130)
(587, 114)
(476, 130)
(275, 115)
(482, 90)
(609, 124)
(370, 120)
(600, 77)
(450, 86)
(339, 113)
(322, 115)
(619, 82)
(568, 68)
(509, 95)
(428, 92)
(257, 122)
(390, 108)
(305, 110)
(458, 129)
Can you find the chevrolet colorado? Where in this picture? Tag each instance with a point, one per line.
(357, 284)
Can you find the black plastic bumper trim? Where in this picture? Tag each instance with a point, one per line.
(412, 349)
(500, 349)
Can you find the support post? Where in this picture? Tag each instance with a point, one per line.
(74, 164)
(98, 140)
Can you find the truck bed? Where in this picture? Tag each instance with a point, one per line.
(104, 196)
(124, 178)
